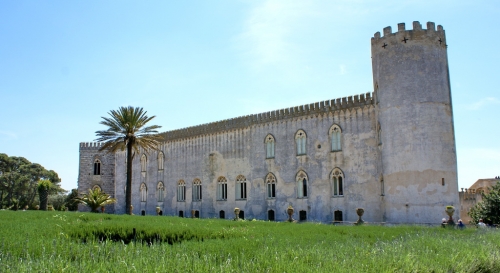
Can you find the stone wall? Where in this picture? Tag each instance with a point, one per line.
(234, 152)
(89, 153)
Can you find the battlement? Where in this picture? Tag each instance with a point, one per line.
(417, 33)
(286, 113)
(90, 145)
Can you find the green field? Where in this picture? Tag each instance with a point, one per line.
(39, 241)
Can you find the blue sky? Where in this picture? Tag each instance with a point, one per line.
(65, 64)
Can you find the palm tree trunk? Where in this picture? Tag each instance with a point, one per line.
(128, 191)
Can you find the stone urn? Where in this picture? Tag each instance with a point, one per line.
(450, 210)
(131, 210)
(289, 211)
(158, 210)
(193, 213)
(360, 212)
(236, 214)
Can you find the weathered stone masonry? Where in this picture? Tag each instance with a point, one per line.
(397, 153)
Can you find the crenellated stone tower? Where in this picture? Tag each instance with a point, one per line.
(96, 169)
(415, 123)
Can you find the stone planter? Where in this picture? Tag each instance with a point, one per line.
(236, 214)
(360, 212)
(193, 213)
(289, 211)
(131, 210)
(158, 209)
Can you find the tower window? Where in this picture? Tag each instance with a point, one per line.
(97, 167)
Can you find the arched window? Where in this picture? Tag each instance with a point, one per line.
(161, 158)
(144, 192)
(336, 138)
(269, 141)
(222, 188)
(97, 167)
(300, 142)
(271, 185)
(337, 178)
(144, 162)
(241, 187)
(181, 191)
(160, 189)
(196, 190)
(301, 184)
(96, 187)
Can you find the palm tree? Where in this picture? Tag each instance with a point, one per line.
(127, 129)
(95, 199)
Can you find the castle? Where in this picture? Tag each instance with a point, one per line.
(391, 152)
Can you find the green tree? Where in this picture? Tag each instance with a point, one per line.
(489, 208)
(70, 203)
(19, 180)
(95, 199)
(127, 130)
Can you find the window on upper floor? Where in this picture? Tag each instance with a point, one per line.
(144, 192)
(222, 188)
(300, 142)
(337, 180)
(301, 180)
(161, 159)
(271, 185)
(160, 189)
(241, 187)
(269, 142)
(181, 191)
(197, 190)
(336, 138)
(144, 163)
(97, 167)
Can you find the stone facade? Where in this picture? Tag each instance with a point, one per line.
(473, 195)
(391, 152)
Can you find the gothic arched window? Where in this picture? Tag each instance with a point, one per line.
(197, 190)
(336, 138)
(222, 188)
(301, 180)
(144, 163)
(181, 191)
(160, 189)
(271, 185)
(337, 180)
(97, 167)
(300, 142)
(161, 158)
(269, 141)
(241, 187)
(144, 192)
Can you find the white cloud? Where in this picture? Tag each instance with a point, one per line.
(343, 69)
(483, 103)
(8, 135)
(265, 38)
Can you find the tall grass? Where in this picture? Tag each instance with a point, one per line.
(36, 241)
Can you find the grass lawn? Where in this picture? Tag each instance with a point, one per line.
(39, 241)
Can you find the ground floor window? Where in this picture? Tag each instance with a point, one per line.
(222, 214)
(181, 213)
(302, 215)
(337, 216)
(270, 215)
